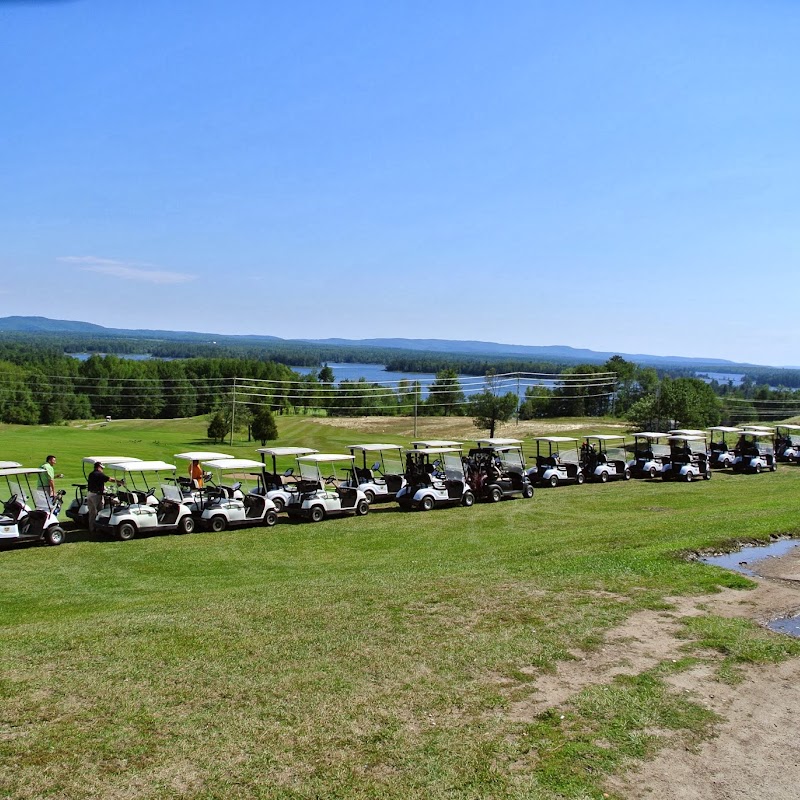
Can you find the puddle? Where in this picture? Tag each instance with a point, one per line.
(790, 625)
(741, 560)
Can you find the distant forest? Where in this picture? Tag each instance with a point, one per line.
(41, 384)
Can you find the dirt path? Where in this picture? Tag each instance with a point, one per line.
(755, 752)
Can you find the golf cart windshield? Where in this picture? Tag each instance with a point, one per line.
(511, 460)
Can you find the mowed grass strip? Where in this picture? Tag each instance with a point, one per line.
(354, 658)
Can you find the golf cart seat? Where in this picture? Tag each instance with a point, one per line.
(36, 520)
(226, 491)
(364, 475)
(13, 508)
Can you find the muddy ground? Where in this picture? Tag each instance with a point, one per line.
(756, 750)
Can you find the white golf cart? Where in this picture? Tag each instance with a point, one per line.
(322, 491)
(136, 507)
(721, 452)
(78, 510)
(282, 486)
(755, 452)
(229, 502)
(558, 461)
(381, 480)
(19, 521)
(496, 469)
(650, 451)
(787, 443)
(434, 477)
(603, 458)
(688, 459)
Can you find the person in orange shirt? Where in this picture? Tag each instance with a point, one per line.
(196, 474)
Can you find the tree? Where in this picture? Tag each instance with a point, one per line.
(488, 409)
(326, 375)
(444, 394)
(263, 425)
(217, 429)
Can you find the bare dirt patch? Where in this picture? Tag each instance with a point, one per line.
(754, 753)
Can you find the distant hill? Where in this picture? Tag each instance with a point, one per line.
(561, 353)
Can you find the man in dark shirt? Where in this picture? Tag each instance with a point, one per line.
(95, 485)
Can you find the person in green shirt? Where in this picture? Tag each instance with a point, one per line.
(46, 488)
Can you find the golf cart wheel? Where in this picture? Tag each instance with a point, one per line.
(427, 503)
(317, 514)
(603, 477)
(580, 479)
(362, 508)
(758, 468)
(54, 536)
(370, 496)
(126, 531)
(468, 499)
(527, 491)
(553, 481)
(495, 495)
(186, 525)
(279, 504)
(218, 523)
(653, 472)
(773, 467)
(627, 474)
(707, 475)
(689, 477)
(271, 518)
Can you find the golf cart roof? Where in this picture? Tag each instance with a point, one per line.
(234, 463)
(427, 443)
(557, 439)
(142, 466)
(498, 442)
(201, 455)
(604, 437)
(651, 435)
(11, 471)
(686, 432)
(789, 427)
(765, 428)
(109, 459)
(726, 429)
(435, 451)
(685, 437)
(286, 451)
(757, 434)
(370, 448)
(321, 458)
(9, 464)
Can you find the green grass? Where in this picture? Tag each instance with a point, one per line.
(359, 657)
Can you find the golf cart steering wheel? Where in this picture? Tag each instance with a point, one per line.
(330, 479)
(150, 492)
(14, 499)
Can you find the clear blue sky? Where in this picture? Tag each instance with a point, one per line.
(618, 176)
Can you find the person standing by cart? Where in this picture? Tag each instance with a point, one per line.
(46, 486)
(95, 487)
(196, 475)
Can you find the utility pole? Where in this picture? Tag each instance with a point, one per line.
(416, 395)
(233, 410)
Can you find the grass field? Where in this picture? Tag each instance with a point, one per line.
(358, 658)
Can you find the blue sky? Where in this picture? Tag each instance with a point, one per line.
(618, 176)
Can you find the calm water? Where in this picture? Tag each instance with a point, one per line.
(126, 356)
(376, 373)
(741, 560)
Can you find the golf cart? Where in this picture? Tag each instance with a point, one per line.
(720, 452)
(558, 461)
(434, 477)
(382, 480)
(649, 454)
(755, 452)
(322, 493)
(787, 443)
(688, 459)
(496, 469)
(230, 503)
(282, 487)
(19, 521)
(136, 507)
(603, 458)
(78, 511)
